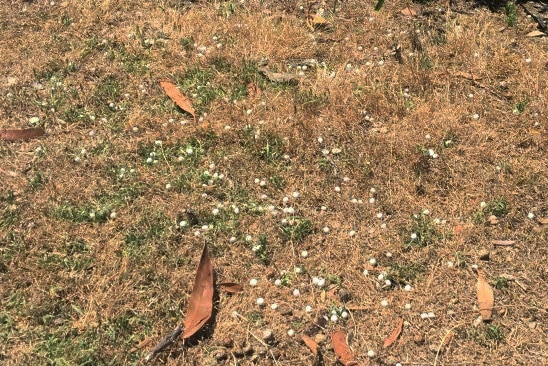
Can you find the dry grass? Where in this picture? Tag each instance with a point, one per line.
(85, 290)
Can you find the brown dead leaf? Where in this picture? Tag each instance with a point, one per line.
(394, 335)
(341, 349)
(468, 76)
(535, 33)
(252, 90)
(310, 343)
(201, 299)
(486, 298)
(458, 229)
(278, 77)
(21, 135)
(316, 21)
(409, 12)
(231, 287)
(176, 96)
(145, 342)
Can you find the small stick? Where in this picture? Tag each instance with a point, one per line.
(167, 341)
(503, 243)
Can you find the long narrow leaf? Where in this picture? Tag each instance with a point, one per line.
(201, 299)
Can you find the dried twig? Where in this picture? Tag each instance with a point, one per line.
(170, 339)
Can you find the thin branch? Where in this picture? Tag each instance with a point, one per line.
(170, 339)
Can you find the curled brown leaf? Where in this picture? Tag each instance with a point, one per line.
(21, 135)
(394, 335)
(175, 95)
(342, 349)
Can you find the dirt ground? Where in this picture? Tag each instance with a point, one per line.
(351, 168)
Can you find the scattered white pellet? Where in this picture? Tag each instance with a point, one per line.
(325, 229)
(384, 303)
(530, 216)
(337, 189)
(321, 282)
(260, 301)
(371, 353)
(296, 292)
(334, 318)
(253, 282)
(387, 283)
(291, 332)
(372, 200)
(274, 306)
(295, 194)
(304, 253)
(408, 288)
(352, 233)
(407, 306)
(308, 308)
(183, 223)
(344, 314)
(373, 261)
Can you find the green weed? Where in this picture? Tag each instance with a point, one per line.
(296, 228)
(500, 282)
(260, 248)
(494, 333)
(422, 232)
(511, 12)
(404, 273)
